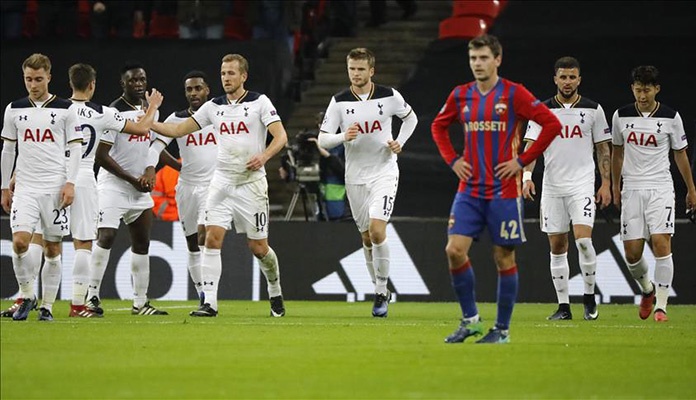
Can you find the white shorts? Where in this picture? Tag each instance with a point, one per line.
(373, 200)
(646, 212)
(32, 209)
(84, 213)
(557, 213)
(191, 201)
(246, 205)
(115, 205)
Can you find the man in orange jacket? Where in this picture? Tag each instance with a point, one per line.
(163, 194)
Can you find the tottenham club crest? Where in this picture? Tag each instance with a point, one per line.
(500, 107)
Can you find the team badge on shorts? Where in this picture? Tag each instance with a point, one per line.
(450, 222)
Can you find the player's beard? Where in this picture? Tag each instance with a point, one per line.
(569, 96)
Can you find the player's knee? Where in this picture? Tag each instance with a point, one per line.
(378, 237)
(504, 258)
(52, 249)
(365, 236)
(193, 243)
(661, 247)
(455, 252)
(633, 257)
(585, 247)
(558, 244)
(141, 247)
(259, 248)
(20, 244)
(106, 238)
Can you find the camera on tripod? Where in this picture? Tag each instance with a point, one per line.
(303, 158)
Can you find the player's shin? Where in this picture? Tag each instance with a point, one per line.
(588, 263)
(80, 276)
(211, 269)
(35, 254)
(98, 263)
(464, 284)
(50, 281)
(559, 275)
(140, 271)
(24, 273)
(380, 254)
(271, 270)
(664, 273)
(194, 268)
(639, 272)
(367, 251)
(507, 294)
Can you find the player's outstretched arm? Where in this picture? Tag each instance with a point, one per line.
(682, 161)
(143, 125)
(280, 139)
(617, 157)
(176, 130)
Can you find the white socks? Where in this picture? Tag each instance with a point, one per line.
(98, 262)
(24, 273)
(639, 272)
(35, 254)
(368, 261)
(271, 270)
(194, 268)
(211, 269)
(80, 276)
(380, 258)
(588, 263)
(664, 272)
(140, 271)
(50, 281)
(559, 274)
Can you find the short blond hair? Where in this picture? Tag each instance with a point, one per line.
(362, 53)
(243, 63)
(37, 61)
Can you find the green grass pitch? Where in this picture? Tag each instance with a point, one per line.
(336, 350)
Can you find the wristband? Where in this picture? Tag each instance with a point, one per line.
(526, 176)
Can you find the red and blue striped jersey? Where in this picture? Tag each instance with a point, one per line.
(493, 124)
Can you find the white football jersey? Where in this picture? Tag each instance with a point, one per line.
(368, 156)
(42, 132)
(646, 141)
(198, 151)
(569, 166)
(129, 151)
(242, 128)
(94, 120)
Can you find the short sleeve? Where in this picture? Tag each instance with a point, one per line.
(678, 135)
(73, 128)
(9, 129)
(269, 114)
(402, 108)
(332, 118)
(533, 130)
(616, 136)
(202, 115)
(113, 120)
(600, 129)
